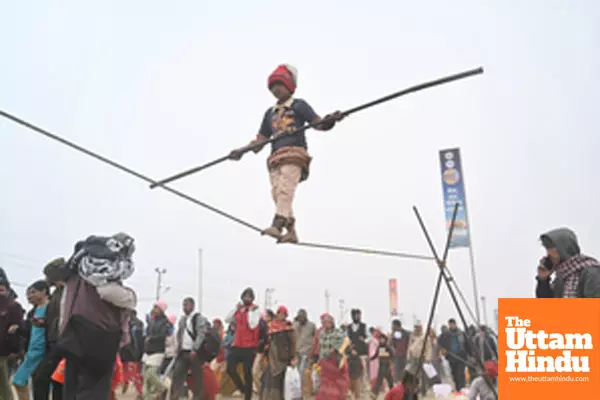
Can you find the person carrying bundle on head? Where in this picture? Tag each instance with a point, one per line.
(289, 161)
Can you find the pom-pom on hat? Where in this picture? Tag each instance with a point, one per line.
(286, 75)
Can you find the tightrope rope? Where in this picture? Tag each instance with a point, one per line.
(189, 198)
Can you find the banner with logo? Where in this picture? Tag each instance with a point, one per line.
(549, 349)
(393, 298)
(454, 192)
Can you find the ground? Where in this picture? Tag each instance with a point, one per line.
(131, 396)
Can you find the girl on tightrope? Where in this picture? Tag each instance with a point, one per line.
(289, 161)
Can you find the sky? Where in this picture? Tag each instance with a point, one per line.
(164, 86)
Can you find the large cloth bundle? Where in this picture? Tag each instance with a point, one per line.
(100, 260)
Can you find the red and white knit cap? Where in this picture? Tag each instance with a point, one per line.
(286, 75)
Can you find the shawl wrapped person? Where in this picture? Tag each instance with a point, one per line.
(335, 381)
(94, 315)
(280, 353)
(373, 351)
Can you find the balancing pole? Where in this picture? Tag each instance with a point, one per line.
(413, 89)
(441, 263)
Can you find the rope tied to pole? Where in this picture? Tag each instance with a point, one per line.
(194, 200)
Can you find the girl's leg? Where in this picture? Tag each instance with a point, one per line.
(390, 380)
(279, 220)
(290, 178)
(379, 381)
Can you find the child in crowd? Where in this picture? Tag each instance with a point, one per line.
(385, 356)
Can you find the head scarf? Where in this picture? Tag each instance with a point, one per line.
(282, 309)
(57, 271)
(330, 339)
(161, 306)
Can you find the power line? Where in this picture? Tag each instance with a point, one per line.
(191, 199)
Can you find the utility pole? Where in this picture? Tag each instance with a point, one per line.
(485, 320)
(268, 302)
(200, 280)
(342, 310)
(496, 318)
(159, 273)
(327, 296)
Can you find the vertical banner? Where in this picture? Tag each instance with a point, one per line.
(454, 192)
(393, 298)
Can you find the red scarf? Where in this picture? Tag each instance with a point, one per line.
(280, 326)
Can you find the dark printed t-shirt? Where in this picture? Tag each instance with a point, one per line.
(287, 117)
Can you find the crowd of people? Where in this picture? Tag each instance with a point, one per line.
(82, 339)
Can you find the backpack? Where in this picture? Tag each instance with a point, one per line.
(210, 347)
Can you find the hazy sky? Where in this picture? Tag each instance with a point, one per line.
(163, 86)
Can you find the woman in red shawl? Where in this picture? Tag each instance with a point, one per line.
(280, 353)
(335, 381)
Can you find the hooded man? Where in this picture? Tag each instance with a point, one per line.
(575, 275)
(246, 316)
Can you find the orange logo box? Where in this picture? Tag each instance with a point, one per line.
(549, 349)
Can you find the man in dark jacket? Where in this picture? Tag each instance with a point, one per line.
(154, 351)
(56, 275)
(575, 275)
(400, 340)
(357, 332)
(456, 344)
(11, 317)
(131, 356)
